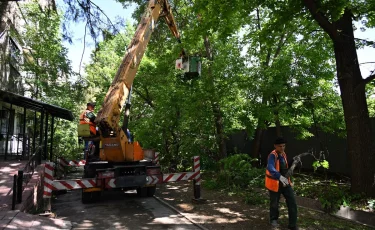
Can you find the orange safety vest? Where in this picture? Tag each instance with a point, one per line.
(82, 121)
(273, 183)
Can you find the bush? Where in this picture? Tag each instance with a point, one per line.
(255, 198)
(331, 194)
(237, 171)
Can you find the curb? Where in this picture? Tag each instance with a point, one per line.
(180, 213)
(357, 216)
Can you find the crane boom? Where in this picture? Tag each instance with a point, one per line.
(109, 115)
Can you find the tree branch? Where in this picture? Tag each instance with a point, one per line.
(281, 43)
(145, 98)
(369, 78)
(364, 41)
(83, 51)
(322, 20)
(109, 20)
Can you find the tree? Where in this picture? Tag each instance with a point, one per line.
(221, 20)
(48, 71)
(337, 21)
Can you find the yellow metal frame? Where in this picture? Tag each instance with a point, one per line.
(95, 189)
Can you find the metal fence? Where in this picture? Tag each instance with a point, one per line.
(18, 146)
(24, 176)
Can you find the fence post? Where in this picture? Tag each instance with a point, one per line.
(47, 184)
(14, 192)
(156, 158)
(197, 181)
(19, 186)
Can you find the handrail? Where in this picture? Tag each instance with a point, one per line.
(25, 174)
(14, 195)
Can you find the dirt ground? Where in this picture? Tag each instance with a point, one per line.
(226, 211)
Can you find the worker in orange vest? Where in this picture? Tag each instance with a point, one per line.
(88, 117)
(277, 184)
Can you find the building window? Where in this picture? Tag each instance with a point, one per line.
(7, 121)
(19, 123)
(15, 81)
(15, 54)
(4, 116)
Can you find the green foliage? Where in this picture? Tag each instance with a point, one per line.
(211, 183)
(371, 204)
(331, 193)
(333, 196)
(236, 175)
(46, 59)
(254, 197)
(49, 77)
(237, 170)
(320, 163)
(371, 106)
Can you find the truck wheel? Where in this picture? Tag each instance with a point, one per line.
(142, 192)
(96, 196)
(89, 197)
(89, 172)
(86, 197)
(151, 191)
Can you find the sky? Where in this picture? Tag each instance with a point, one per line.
(366, 56)
(112, 9)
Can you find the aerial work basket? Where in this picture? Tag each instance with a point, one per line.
(191, 66)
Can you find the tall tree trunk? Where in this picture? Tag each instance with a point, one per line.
(218, 117)
(220, 136)
(353, 96)
(278, 124)
(255, 152)
(359, 134)
(276, 115)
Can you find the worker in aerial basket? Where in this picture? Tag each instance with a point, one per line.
(88, 117)
(277, 184)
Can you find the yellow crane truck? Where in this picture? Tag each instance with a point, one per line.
(114, 161)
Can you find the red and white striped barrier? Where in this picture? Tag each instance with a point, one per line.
(197, 170)
(74, 163)
(48, 179)
(73, 184)
(62, 163)
(52, 185)
(111, 183)
(172, 177)
(153, 180)
(156, 158)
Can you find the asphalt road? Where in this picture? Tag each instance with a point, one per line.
(118, 210)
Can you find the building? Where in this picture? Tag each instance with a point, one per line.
(25, 123)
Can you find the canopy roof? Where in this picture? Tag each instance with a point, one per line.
(35, 105)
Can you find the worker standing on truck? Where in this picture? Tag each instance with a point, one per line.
(129, 135)
(88, 117)
(277, 184)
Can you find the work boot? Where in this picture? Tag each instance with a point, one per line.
(274, 223)
(293, 228)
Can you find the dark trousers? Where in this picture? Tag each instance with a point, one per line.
(288, 193)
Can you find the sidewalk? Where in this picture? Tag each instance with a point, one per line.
(15, 219)
(7, 171)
